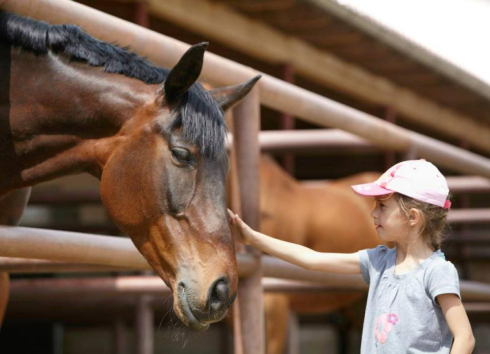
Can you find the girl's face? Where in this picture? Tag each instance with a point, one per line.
(389, 219)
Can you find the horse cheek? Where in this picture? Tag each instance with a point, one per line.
(120, 195)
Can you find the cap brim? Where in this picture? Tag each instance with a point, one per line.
(370, 190)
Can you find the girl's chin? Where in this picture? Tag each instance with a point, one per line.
(385, 238)
(381, 234)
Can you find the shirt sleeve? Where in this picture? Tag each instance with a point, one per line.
(370, 259)
(443, 280)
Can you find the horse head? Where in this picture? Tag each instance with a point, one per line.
(164, 185)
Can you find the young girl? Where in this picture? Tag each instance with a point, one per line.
(414, 303)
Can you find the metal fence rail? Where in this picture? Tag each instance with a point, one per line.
(53, 289)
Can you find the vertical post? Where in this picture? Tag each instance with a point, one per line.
(58, 334)
(465, 203)
(4, 294)
(141, 16)
(287, 122)
(247, 126)
(389, 156)
(119, 337)
(237, 328)
(234, 203)
(144, 325)
(293, 334)
(411, 153)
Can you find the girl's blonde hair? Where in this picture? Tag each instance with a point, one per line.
(435, 219)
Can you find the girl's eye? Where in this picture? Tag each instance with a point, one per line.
(181, 154)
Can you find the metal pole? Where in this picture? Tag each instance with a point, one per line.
(141, 15)
(321, 140)
(469, 184)
(144, 325)
(69, 247)
(22, 265)
(469, 216)
(81, 263)
(119, 340)
(293, 334)
(247, 125)
(4, 294)
(58, 334)
(389, 156)
(148, 287)
(287, 122)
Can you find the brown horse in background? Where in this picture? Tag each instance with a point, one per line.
(154, 137)
(327, 217)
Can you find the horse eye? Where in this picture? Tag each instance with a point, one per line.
(181, 154)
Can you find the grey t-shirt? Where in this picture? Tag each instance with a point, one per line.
(402, 315)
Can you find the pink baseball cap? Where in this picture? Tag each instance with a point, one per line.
(418, 179)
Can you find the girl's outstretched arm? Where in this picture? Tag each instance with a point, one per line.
(294, 253)
(453, 310)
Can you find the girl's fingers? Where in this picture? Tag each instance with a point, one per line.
(231, 217)
(239, 221)
(236, 221)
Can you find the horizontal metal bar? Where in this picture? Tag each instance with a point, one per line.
(33, 289)
(73, 247)
(469, 216)
(49, 288)
(477, 307)
(472, 184)
(27, 266)
(314, 140)
(67, 248)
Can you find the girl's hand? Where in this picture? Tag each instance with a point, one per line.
(243, 232)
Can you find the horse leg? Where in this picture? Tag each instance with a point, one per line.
(276, 322)
(12, 207)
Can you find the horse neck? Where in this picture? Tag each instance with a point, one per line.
(58, 110)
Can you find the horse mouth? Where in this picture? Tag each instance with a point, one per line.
(187, 316)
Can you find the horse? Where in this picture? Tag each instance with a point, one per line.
(327, 217)
(154, 137)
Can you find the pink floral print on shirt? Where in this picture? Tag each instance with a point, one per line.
(384, 325)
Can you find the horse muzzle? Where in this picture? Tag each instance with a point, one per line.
(198, 315)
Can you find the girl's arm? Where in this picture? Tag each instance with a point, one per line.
(294, 253)
(453, 310)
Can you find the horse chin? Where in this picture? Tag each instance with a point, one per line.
(185, 314)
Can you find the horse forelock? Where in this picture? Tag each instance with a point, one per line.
(202, 122)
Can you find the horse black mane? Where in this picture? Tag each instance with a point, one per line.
(199, 115)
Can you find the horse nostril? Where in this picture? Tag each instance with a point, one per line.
(219, 295)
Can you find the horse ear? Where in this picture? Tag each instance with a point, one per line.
(228, 96)
(185, 73)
